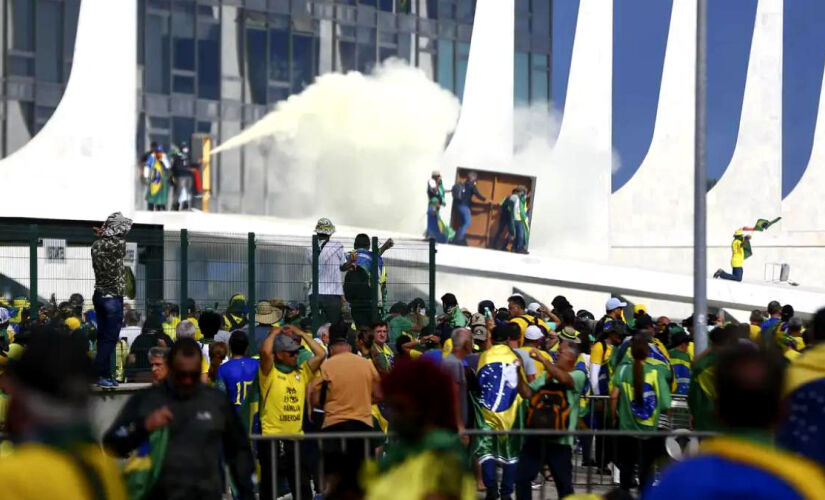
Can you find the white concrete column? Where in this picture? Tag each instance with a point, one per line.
(655, 207)
(751, 187)
(82, 160)
(571, 206)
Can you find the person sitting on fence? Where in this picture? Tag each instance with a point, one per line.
(745, 463)
(358, 286)
(640, 393)
(331, 262)
(235, 317)
(553, 403)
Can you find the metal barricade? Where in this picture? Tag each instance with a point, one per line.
(583, 477)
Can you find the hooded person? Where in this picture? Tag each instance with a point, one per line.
(235, 317)
(108, 252)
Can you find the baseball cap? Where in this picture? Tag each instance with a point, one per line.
(533, 333)
(639, 308)
(569, 334)
(678, 338)
(533, 307)
(614, 303)
(285, 343)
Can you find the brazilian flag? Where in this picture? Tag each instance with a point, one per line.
(142, 469)
(764, 224)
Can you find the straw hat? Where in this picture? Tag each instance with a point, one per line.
(266, 314)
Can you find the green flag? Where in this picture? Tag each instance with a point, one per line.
(143, 467)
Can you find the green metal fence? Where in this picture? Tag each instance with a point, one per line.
(45, 261)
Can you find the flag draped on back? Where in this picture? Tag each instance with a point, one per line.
(498, 404)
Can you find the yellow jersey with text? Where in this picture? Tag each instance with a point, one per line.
(283, 399)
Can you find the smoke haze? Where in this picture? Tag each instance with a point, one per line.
(356, 148)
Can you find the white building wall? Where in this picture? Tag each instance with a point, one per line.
(80, 165)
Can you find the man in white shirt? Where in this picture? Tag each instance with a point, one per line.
(331, 262)
(132, 328)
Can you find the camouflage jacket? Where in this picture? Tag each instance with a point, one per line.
(107, 256)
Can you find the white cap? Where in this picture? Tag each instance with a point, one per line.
(533, 333)
(614, 303)
(533, 307)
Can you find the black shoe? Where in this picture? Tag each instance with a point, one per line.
(717, 274)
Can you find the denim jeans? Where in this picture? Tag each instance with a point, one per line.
(466, 216)
(109, 312)
(518, 244)
(736, 276)
(508, 477)
(537, 452)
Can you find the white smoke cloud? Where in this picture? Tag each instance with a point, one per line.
(352, 146)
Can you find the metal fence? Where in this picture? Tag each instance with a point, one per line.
(43, 261)
(309, 450)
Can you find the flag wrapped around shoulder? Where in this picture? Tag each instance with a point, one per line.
(143, 467)
(498, 405)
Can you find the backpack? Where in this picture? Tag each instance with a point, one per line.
(459, 192)
(548, 408)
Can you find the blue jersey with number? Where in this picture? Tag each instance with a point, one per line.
(236, 376)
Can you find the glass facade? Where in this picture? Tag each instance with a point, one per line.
(531, 76)
(38, 44)
(217, 66)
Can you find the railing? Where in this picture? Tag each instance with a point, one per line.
(586, 477)
(675, 428)
(43, 259)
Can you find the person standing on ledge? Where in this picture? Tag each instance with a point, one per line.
(108, 252)
(463, 193)
(741, 251)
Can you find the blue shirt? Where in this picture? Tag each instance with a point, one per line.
(235, 376)
(713, 477)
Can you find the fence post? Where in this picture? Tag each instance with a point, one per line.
(184, 270)
(250, 294)
(376, 287)
(431, 304)
(34, 302)
(313, 299)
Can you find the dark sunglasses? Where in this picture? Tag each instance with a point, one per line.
(182, 376)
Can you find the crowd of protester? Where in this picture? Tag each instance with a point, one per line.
(445, 397)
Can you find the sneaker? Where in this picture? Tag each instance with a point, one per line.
(537, 482)
(717, 273)
(114, 382)
(105, 383)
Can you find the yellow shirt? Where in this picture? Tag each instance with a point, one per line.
(539, 365)
(755, 333)
(284, 396)
(35, 471)
(738, 257)
(169, 327)
(598, 354)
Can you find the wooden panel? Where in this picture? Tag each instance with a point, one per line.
(494, 186)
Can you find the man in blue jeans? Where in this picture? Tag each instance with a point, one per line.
(110, 285)
(463, 193)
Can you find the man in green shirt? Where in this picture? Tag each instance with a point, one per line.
(398, 322)
(702, 391)
(555, 452)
